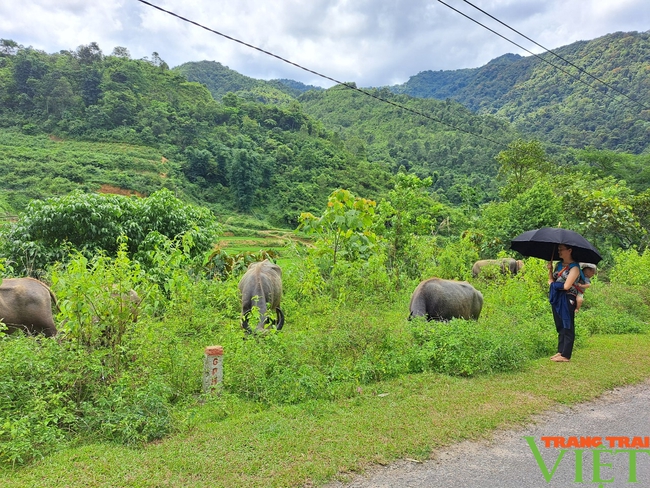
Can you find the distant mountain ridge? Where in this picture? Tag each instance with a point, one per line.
(540, 100)
(220, 79)
(547, 103)
(494, 79)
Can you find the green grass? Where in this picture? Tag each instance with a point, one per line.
(233, 443)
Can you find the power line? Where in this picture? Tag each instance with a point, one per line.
(541, 58)
(348, 85)
(608, 85)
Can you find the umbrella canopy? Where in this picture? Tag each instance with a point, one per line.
(542, 243)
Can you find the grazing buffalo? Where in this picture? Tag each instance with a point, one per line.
(261, 286)
(127, 301)
(507, 265)
(26, 304)
(438, 299)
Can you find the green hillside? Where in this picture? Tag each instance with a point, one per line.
(40, 166)
(86, 120)
(449, 143)
(229, 142)
(66, 118)
(551, 105)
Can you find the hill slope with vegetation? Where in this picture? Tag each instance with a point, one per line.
(220, 80)
(383, 197)
(233, 155)
(258, 151)
(447, 142)
(551, 104)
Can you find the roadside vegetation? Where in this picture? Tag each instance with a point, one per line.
(106, 379)
(119, 174)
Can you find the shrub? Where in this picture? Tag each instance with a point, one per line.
(631, 268)
(466, 348)
(41, 381)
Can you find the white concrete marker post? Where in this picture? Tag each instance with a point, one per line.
(212, 369)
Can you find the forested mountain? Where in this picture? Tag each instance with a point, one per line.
(258, 150)
(220, 80)
(276, 149)
(232, 155)
(449, 142)
(552, 105)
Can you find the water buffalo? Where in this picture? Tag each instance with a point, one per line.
(438, 299)
(261, 286)
(506, 264)
(26, 304)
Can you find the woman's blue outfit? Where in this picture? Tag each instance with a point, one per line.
(563, 304)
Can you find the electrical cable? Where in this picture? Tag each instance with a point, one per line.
(541, 58)
(608, 85)
(348, 85)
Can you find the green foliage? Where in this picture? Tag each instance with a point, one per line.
(410, 143)
(37, 409)
(603, 210)
(97, 300)
(409, 211)
(463, 348)
(543, 102)
(360, 281)
(132, 382)
(455, 260)
(345, 228)
(38, 166)
(625, 314)
(521, 165)
(239, 155)
(539, 206)
(631, 268)
(110, 378)
(129, 414)
(95, 223)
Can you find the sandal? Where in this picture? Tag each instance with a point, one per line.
(555, 355)
(560, 359)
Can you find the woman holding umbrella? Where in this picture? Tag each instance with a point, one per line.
(562, 296)
(571, 247)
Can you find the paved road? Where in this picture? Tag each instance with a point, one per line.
(507, 460)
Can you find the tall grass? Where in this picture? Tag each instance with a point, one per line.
(342, 335)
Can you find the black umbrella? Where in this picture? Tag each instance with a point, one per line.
(542, 243)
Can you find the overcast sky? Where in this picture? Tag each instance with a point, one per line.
(370, 42)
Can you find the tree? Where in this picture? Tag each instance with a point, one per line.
(200, 165)
(8, 47)
(536, 207)
(520, 165)
(244, 177)
(91, 222)
(120, 107)
(121, 52)
(345, 228)
(409, 211)
(604, 212)
(91, 90)
(89, 54)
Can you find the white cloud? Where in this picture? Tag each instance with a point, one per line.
(372, 42)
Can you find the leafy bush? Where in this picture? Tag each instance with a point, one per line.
(128, 413)
(455, 260)
(37, 380)
(631, 268)
(100, 299)
(615, 309)
(93, 223)
(466, 348)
